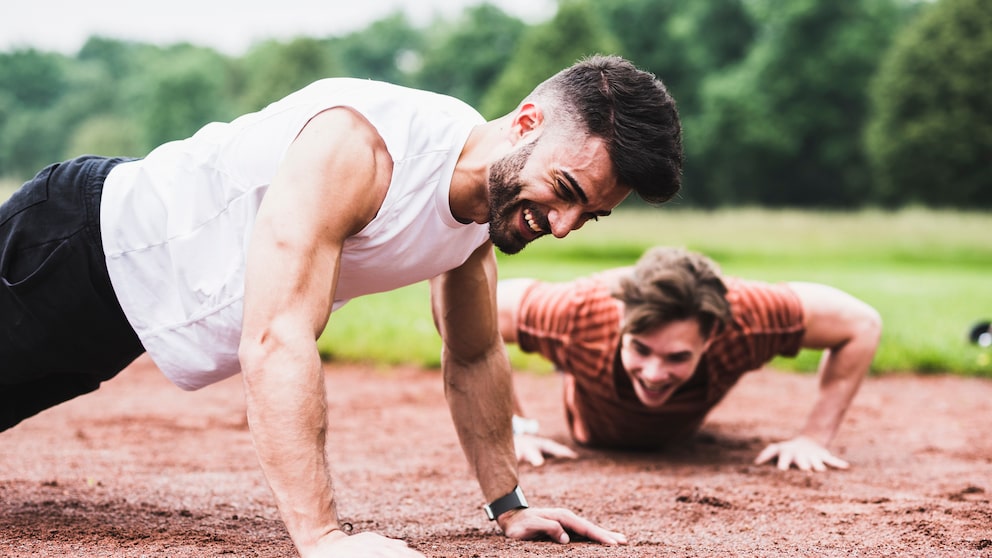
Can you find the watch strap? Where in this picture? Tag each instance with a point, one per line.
(512, 501)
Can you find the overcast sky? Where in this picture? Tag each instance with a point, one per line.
(229, 26)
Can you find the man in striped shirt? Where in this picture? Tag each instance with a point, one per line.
(646, 352)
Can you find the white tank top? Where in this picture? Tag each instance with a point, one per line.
(176, 224)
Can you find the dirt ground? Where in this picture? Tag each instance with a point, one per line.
(142, 469)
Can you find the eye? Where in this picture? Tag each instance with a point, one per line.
(563, 192)
(680, 357)
(640, 348)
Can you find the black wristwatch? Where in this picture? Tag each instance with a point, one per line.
(513, 501)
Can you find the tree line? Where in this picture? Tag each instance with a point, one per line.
(785, 103)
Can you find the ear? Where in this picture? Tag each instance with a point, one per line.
(707, 343)
(714, 331)
(528, 120)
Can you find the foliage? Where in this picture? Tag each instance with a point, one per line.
(678, 41)
(107, 134)
(187, 94)
(272, 70)
(785, 124)
(387, 50)
(925, 271)
(544, 50)
(931, 135)
(30, 82)
(463, 58)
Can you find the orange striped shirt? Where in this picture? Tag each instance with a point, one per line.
(576, 325)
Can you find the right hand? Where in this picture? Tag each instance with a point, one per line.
(361, 545)
(556, 524)
(532, 449)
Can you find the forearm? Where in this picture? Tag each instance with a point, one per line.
(480, 397)
(841, 373)
(287, 415)
(849, 331)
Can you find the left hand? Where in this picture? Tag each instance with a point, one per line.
(532, 449)
(556, 524)
(805, 453)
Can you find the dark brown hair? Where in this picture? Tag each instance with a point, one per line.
(632, 111)
(671, 284)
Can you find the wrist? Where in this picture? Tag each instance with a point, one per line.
(522, 425)
(314, 546)
(514, 500)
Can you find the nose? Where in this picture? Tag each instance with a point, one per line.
(654, 371)
(564, 222)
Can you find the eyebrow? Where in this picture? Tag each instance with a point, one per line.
(576, 189)
(577, 192)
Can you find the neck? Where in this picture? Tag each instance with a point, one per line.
(469, 194)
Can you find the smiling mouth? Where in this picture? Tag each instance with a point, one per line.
(654, 389)
(533, 221)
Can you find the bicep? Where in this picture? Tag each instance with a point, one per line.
(463, 301)
(329, 185)
(832, 316)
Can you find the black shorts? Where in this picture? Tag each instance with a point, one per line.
(62, 331)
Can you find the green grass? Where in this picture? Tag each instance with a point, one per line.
(929, 273)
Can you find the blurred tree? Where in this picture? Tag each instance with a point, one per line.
(118, 58)
(33, 78)
(107, 135)
(388, 50)
(30, 140)
(35, 130)
(185, 91)
(681, 41)
(31, 82)
(464, 57)
(930, 138)
(114, 75)
(273, 69)
(783, 127)
(574, 32)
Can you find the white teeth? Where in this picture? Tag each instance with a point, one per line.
(653, 387)
(529, 217)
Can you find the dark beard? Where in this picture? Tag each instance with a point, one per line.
(504, 189)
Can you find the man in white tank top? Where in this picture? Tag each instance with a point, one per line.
(228, 251)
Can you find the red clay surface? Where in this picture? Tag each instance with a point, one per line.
(140, 468)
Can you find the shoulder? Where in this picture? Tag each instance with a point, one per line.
(342, 140)
(586, 295)
(337, 155)
(750, 299)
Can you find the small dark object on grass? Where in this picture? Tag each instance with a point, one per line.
(981, 334)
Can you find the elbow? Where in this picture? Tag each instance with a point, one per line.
(871, 327)
(258, 350)
(251, 355)
(864, 338)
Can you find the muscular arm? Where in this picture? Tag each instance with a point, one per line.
(528, 447)
(848, 330)
(476, 368)
(478, 386)
(329, 186)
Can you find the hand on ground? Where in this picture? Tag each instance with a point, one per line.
(556, 524)
(533, 449)
(361, 545)
(802, 452)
